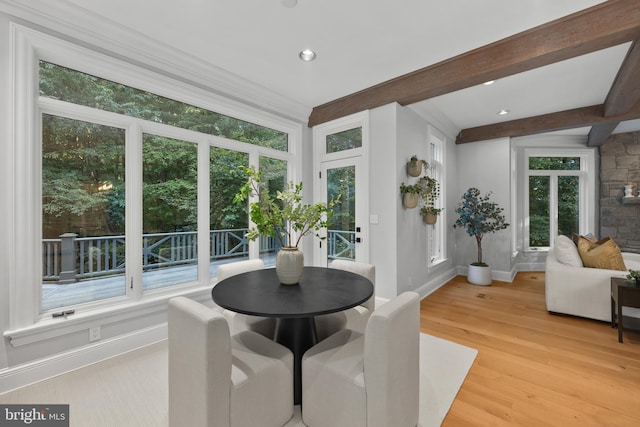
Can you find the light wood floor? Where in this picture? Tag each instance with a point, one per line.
(534, 368)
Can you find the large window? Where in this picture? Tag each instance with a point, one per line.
(436, 233)
(555, 201)
(135, 181)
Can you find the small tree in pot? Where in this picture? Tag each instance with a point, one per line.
(478, 215)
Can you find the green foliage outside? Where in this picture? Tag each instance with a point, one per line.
(284, 216)
(539, 193)
(83, 164)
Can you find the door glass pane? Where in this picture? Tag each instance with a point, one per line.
(341, 233)
(568, 205)
(170, 214)
(274, 179)
(83, 192)
(228, 221)
(344, 140)
(539, 211)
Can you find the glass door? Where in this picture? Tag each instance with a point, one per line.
(346, 235)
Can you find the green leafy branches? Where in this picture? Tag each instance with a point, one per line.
(478, 215)
(284, 216)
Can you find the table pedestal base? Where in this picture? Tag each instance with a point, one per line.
(298, 334)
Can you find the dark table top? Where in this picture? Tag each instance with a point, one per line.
(321, 290)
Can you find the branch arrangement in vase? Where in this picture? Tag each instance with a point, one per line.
(284, 216)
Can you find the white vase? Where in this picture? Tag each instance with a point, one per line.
(478, 275)
(289, 265)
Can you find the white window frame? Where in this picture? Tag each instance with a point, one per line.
(28, 47)
(436, 236)
(586, 191)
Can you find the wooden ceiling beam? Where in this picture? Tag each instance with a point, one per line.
(625, 91)
(568, 119)
(600, 133)
(607, 24)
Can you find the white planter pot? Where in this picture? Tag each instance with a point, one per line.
(477, 275)
(289, 265)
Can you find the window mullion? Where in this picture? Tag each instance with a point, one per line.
(133, 210)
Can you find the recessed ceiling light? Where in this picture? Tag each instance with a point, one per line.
(289, 3)
(307, 55)
(490, 82)
(503, 112)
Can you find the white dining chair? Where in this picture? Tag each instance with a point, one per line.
(220, 380)
(239, 322)
(354, 318)
(367, 380)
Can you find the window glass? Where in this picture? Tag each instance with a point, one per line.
(554, 163)
(539, 213)
(83, 215)
(341, 232)
(80, 88)
(345, 140)
(228, 221)
(554, 198)
(169, 211)
(568, 205)
(274, 179)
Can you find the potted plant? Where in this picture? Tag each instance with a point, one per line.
(429, 193)
(410, 194)
(478, 215)
(414, 166)
(285, 218)
(430, 214)
(634, 276)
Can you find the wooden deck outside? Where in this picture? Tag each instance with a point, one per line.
(55, 295)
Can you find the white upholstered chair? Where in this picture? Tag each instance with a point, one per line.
(239, 322)
(219, 380)
(355, 380)
(355, 318)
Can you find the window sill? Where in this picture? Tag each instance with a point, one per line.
(55, 327)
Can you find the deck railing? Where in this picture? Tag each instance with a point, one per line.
(72, 258)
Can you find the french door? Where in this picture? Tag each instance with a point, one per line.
(344, 180)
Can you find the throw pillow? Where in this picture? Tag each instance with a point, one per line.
(567, 252)
(604, 254)
(590, 237)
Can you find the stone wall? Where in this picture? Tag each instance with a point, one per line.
(619, 165)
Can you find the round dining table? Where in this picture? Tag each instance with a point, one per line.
(320, 291)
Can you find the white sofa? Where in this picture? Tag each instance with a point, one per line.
(583, 291)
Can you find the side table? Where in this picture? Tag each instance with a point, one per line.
(624, 293)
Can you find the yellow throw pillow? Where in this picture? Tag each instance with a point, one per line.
(604, 254)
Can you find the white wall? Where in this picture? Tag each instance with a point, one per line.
(486, 166)
(5, 181)
(398, 242)
(383, 197)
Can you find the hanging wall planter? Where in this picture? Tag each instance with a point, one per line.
(410, 195)
(410, 200)
(414, 166)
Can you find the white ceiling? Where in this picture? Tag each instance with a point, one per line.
(360, 43)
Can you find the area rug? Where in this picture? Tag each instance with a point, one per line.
(443, 367)
(132, 389)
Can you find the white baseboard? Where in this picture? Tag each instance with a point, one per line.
(29, 373)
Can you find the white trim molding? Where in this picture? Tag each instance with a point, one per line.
(73, 23)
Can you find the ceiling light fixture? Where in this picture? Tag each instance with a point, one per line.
(307, 55)
(490, 82)
(503, 112)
